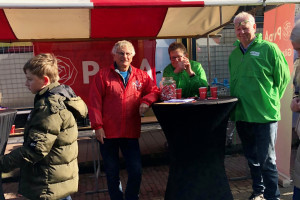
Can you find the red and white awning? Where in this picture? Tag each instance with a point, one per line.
(34, 20)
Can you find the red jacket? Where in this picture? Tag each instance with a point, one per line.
(116, 108)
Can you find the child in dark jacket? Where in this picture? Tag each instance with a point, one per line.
(48, 158)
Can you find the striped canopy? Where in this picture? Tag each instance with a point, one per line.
(35, 20)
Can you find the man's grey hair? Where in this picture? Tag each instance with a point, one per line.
(295, 35)
(123, 43)
(244, 16)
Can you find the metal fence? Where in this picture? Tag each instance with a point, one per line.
(14, 56)
(12, 79)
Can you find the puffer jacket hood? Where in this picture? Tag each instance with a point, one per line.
(73, 102)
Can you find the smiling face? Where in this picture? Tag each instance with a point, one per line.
(34, 83)
(123, 58)
(245, 31)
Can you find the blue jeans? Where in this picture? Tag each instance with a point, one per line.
(258, 140)
(130, 149)
(296, 195)
(67, 198)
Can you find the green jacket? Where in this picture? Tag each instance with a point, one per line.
(258, 79)
(48, 158)
(190, 85)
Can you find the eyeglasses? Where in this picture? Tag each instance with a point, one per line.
(173, 58)
(242, 23)
(120, 53)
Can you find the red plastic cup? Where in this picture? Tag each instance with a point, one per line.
(214, 92)
(202, 92)
(178, 93)
(12, 130)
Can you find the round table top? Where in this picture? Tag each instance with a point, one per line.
(219, 100)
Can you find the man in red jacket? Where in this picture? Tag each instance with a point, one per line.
(119, 95)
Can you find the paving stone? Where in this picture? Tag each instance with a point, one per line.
(155, 178)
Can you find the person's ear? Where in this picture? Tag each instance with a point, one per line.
(46, 80)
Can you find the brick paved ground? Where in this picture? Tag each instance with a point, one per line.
(154, 183)
(155, 174)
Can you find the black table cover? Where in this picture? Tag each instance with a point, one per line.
(196, 134)
(7, 118)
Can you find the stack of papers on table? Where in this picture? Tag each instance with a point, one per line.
(179, 100)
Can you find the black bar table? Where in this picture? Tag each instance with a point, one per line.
(7, 118)
(196, 134)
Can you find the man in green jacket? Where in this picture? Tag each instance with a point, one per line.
(259, 75)
(188, 74)
(48, 158)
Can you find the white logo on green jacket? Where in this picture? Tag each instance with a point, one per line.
(254, 53)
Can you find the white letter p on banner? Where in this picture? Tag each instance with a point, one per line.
(86, 72)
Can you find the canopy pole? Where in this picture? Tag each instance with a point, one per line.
(208, 61)
(221, 15)
(189, 47)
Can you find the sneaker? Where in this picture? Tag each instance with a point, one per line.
(256, 197)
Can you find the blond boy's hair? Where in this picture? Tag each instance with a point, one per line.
(44, 64)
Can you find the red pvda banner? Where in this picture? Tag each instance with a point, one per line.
(78, 62)
(278, 25)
